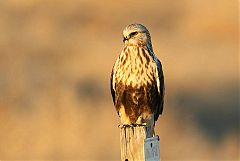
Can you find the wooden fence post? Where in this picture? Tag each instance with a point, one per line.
(133, 144)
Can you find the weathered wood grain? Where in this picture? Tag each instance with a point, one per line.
(132, 142)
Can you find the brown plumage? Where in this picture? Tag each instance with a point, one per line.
(137, 82)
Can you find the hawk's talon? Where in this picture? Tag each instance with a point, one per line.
(140, 125)
(132, 125)
(124, 125)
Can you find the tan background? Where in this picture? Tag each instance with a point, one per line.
(55, 63)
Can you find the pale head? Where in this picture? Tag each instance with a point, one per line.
(136, 35)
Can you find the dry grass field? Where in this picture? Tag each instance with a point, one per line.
(55, 64)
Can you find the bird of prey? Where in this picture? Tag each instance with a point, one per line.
(137, 82)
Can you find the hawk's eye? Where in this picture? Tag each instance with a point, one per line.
(132, 34)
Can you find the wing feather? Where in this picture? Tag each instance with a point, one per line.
(112, 86)
(161, 89)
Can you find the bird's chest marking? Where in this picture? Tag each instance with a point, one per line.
(134, 67)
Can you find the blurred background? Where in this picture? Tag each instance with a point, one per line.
(55, 63)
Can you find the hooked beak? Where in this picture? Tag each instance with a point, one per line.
(125, 38)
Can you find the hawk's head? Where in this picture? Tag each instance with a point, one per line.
(136, 35)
